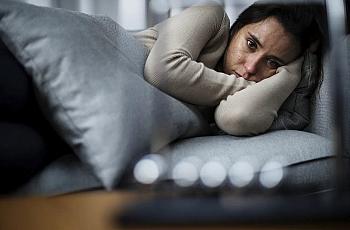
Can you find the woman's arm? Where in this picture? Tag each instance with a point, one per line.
(295, 112)
(252, 110)
(187, 47)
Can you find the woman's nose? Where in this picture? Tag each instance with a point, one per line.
(251, 64)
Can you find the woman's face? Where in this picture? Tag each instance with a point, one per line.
(258, 49)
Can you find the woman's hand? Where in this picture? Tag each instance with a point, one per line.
(293, 68)
(252, 110)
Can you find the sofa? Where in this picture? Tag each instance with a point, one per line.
(308, 155)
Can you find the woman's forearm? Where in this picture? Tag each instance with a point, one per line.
(193, 82)
(188, 46)
(252, 110)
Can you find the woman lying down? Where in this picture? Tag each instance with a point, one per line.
(245, 72)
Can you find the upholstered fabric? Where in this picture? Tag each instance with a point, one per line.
(306, 159)
(287, 146)
(66, 174)
(322, 114)
(88, 74)
(346, 91)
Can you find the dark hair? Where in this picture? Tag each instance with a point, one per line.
(301, 20)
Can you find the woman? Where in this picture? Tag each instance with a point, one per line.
(246, 72)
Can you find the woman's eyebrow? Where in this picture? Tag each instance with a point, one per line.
(259, 44)
(255, 39)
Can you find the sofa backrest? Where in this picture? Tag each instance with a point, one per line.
(347, 100)
(322, 114)
(322, 110)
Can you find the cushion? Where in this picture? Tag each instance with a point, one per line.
(287, 146)
(88, 75)
(67, 174)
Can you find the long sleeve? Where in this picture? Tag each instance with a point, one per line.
(251, 111)
(188, 46)
(295, 112)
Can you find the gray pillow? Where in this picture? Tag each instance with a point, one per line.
(88, 75)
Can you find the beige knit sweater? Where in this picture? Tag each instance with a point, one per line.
(183, 52)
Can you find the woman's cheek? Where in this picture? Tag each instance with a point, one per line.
(239, 58)
(234, 60)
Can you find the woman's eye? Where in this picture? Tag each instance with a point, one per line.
(273, 64)
(251, 44)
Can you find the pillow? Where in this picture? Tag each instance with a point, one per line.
(295, 112)
(88, 76)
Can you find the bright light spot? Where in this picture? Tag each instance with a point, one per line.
(241, 174)
(271, 174)
(185, 174)
(146, 171)
(212, 174)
